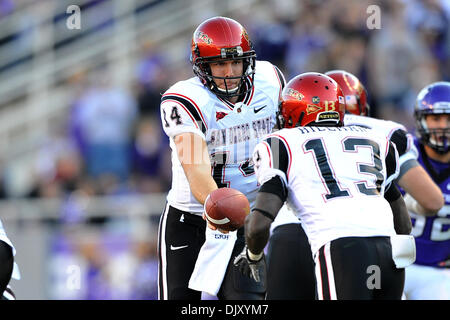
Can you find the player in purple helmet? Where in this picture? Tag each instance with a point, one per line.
(429, 276)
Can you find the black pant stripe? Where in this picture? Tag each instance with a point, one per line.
(324, 275)
(162, 280)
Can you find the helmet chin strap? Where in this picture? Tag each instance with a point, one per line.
(228, 91)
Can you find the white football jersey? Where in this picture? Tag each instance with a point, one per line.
(405, 143)
(335, 177)
(231, 131)
(4, 237)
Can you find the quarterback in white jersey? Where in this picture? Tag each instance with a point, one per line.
(338, 180)
(231, 131)
(213, 121)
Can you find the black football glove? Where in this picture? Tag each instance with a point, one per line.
(250, 268)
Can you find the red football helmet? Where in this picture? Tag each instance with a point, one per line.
(354, 91)
(312, 99)
(219, 39)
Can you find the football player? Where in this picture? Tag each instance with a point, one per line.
(422, 192)
(338, 180)
(429, 277)
(7, 253)
(287, 230)
(289, 276)
(213, 120)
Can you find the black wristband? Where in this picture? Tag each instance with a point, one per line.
(265, 213)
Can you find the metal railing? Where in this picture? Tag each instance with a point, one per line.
(31, 94)
(36, 226)
(137, 205)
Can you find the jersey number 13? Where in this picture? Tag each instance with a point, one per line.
(375, 166)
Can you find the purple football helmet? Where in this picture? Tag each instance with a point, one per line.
(433, 99)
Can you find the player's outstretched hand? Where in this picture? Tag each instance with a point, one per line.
(251, 268)
(213, 227)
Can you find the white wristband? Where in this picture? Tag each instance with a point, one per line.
(254, 257)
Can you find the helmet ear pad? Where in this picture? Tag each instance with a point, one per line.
(203, 71)
(292, 114)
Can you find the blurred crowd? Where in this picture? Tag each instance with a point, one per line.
(112, 143)
(410, 49)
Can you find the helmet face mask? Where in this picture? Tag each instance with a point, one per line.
(203, 71)
(354, 91)
(211, 44)
(433, 100)
(311, 99)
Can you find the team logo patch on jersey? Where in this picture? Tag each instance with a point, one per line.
(315, 99)
(311, 108)
(220, 115)
(295, 94)
(204, 37)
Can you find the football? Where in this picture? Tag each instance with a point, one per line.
(226, 208)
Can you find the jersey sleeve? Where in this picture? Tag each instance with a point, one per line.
(281, 78)
(392, 163)
(407, 151)
(271, 158)
(273, 77)
(180, 114)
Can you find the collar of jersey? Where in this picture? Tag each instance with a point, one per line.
(247, 99)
